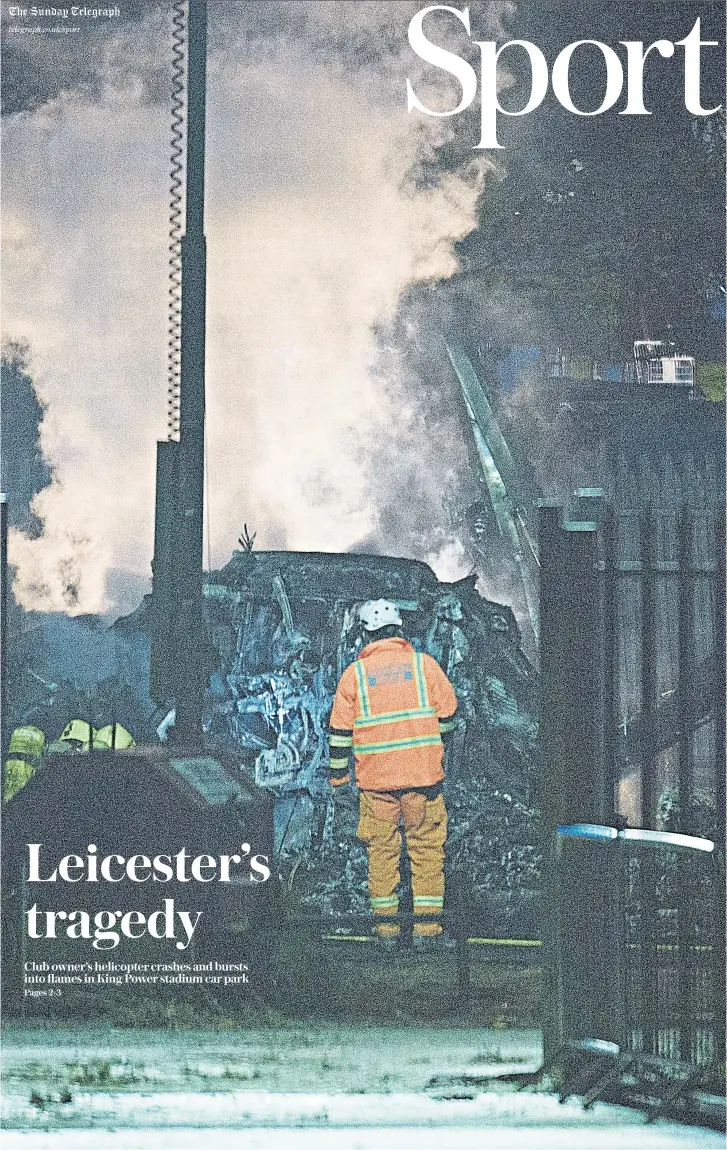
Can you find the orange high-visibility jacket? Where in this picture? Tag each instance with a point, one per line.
(392, 704)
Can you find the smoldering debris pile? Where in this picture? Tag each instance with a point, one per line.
(285, 626)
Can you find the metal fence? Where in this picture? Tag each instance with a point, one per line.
(672, 957)
(649, 974)
(632, 743)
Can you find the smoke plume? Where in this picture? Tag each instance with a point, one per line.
(332, 225)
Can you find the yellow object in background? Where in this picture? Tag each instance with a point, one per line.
(112, 736)
(25, 754)
(78, 732)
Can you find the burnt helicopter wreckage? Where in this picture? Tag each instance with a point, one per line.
(284, 626)
(281, 626)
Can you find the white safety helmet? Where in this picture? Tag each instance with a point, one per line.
(379, 613)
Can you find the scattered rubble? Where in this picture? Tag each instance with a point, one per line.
(285, 625)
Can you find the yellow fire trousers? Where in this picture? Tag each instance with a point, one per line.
(425, 831)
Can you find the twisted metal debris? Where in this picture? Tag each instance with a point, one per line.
(285, 626)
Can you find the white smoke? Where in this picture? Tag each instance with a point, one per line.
(450, 561)
(83, 283)
(316, 230)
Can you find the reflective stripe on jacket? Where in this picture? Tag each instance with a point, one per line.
(388, 706)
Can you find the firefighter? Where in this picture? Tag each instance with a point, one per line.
(75, 738)
(25, 755)
(392, 707)
(113, 737)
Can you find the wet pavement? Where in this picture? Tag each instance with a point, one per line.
(300, 1086)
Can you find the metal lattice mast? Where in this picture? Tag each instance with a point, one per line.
(178, 647)
(190, 644)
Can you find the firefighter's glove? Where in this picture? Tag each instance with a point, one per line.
(339, 773)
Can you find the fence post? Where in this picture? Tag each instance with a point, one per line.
(649, 795)
(613, 941)
(685, 890)
(574, 785)
(720, 651)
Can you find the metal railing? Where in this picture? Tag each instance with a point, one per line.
(632, 732)
(651, 974)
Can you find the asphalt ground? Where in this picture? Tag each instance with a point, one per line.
(299, 1086)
